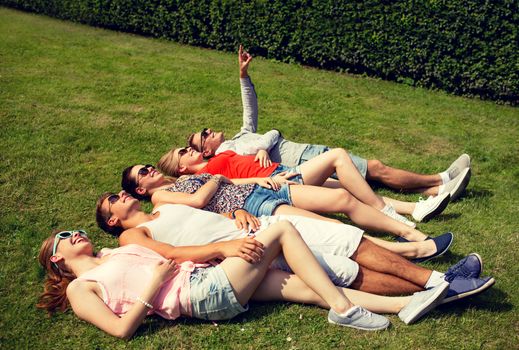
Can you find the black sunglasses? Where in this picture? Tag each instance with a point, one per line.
(203, 134)
(112, 199)
(144, 171)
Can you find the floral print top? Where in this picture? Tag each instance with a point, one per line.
(227, 198)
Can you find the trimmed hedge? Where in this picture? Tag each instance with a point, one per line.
(467, 47)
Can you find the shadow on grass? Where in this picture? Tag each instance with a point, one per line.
(478, 193)
(256, 311)
(490, 300)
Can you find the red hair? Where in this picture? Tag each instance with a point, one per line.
(54, 296)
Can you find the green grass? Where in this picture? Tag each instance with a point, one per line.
(78, 104)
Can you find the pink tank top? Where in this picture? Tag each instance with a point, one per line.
(127, 272)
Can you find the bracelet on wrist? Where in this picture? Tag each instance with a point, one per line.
(148, 305)
(216, 180)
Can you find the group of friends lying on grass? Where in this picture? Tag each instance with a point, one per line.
(238, 220)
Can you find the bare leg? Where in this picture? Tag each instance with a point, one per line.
(408, 250)
(245, 278)
(326, 200)
(401, 207)
(317, 170)
(286, 209)
(382, 283)
(281, 285)
(381, 260)
(399, 179)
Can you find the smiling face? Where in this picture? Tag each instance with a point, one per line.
(146, 177)
(69, 245)
(207, 141)
(187, 158)
(117, 207)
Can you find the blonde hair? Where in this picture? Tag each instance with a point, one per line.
(168, 165)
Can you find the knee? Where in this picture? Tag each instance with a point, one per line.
(376, 168)
(286, 228)
(341, 154)
(344, 198)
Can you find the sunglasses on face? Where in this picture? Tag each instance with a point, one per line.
(144, 171)
(203, 135)
(64, 235)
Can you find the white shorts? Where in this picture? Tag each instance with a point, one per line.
(332, 244)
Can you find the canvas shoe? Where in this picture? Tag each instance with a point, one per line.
(457, 185)
(458, 165)
(390, 211)
(359, 318)
(462, 287)
(468, 267)
(432, 206)
(442, 242)
(423, 302)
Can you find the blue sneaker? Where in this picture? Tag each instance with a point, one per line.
(423, 302)
(468, 267)
(442, 242)
(462, 287)
(359, 318)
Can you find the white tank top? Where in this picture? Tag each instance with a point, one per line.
(181, 225)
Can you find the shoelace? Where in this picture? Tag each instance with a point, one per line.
(365, 312)
(453, 271)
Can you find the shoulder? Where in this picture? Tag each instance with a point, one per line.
(78, 286)
(127, 235)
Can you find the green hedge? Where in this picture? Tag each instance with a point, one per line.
(466, 47)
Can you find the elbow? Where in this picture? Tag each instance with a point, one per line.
(124, 334)
(198, 203)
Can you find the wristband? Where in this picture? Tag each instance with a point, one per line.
(148, 305)
(234, 211)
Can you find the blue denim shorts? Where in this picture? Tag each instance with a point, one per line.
(263, 201)
(211, 295)
(296, 169)
(312, 151)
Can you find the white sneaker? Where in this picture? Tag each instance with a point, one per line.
(390, 211)
(458, 165)
(426, 209)
(457, 185)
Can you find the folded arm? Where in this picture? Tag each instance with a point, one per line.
(246, 248)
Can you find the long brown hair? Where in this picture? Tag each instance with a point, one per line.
(54, 296)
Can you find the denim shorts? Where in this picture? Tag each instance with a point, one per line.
(211, 295)
(296, 169)
(312, 151)
(263, 201)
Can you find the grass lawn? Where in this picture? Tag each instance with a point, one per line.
(78, 104)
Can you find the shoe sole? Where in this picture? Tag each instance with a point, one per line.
(460, 187)
(484, 287)
(360, 328)
(440, 207)
(430, 304)
(437, 254)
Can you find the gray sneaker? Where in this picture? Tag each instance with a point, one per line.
(359, 318)
(423, 302)
(457, 185)
(458, 165)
